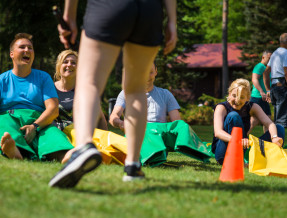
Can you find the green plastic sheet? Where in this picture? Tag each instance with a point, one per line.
(177, 136)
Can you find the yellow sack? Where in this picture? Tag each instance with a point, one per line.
(112, 146)
(273, 164)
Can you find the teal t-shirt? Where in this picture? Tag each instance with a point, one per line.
(28, 92)
(258, 69)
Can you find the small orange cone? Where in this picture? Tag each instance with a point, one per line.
(232, 169)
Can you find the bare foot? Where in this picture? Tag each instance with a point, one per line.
(9, 148)
(68, 155)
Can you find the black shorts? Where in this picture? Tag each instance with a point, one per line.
(118, 21)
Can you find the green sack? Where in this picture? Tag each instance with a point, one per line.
(153, 151)
(161, 138)
(50, 139)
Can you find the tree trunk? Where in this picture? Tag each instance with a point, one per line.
(225, 76)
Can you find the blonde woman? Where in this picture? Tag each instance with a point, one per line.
(236, 112)
(65, 77)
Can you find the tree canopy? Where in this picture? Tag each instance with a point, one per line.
(208, 20)
(255, 23)
(265, 21)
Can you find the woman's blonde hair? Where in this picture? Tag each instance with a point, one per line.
(60, 59)
(240, 85)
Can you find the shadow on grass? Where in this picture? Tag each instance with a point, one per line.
(219, 186)
(152, 185)
(196, 165)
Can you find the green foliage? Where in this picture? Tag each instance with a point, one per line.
(265, 22)
(18, 20)
(211, 100)
(113, 88)
(199, 21)
(200, 115)
(208, 20)
(197, 115)
(241, 74)
(168, 76)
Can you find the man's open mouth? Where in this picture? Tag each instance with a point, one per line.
(26, 58)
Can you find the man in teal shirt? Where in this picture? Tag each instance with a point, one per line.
(258, 94)
(28, 105)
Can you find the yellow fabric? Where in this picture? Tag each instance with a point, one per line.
(275, 160)
(112, 146)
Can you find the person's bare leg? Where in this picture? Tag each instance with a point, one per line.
(96, 60)
(137, 63)
(9, 147)
(265, 129)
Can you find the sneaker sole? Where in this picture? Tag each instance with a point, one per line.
(132, 178)
(71, 175)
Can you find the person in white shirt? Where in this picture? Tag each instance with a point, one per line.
(160, 103)
(278, 92)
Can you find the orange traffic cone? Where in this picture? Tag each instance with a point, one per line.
(232, 169)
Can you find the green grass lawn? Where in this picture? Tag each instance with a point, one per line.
(193, 190)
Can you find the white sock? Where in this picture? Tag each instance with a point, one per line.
(130, 163)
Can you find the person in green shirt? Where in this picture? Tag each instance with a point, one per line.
(258, 94)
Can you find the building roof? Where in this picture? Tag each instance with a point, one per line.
(210, 56)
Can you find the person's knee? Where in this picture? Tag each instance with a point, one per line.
(233, 115)
(280, 130)
(235, 119)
